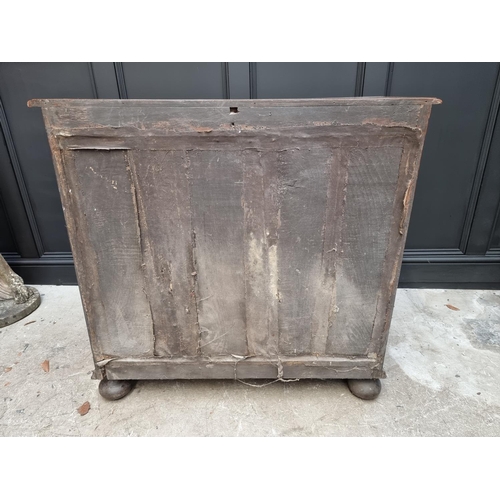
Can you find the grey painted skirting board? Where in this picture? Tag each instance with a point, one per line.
(50, 269)
(420, 269)
(449, 268)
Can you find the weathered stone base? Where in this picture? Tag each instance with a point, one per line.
(10, 312)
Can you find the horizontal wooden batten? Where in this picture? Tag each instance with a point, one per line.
(210, 103)
(238, 368)
(243, 139)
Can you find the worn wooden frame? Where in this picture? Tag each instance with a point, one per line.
(237, 239)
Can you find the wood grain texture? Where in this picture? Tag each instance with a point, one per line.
(262, 243)
(106, 208)
(237, 138)
(326, 294)
(403, 202)
(209, 103)
(261, 274)
(304, 175)
(368, 217)
(161, 186)
(78, 235)
(223, 367)
(144, 119)
(217, 219)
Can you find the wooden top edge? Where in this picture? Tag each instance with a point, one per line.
(219, 103)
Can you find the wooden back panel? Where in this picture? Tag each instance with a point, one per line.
(247, 229)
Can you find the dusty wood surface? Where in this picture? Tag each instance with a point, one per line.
(217, 218)
(274, 233)
(161, 180)
(107, 218)
(224, 367)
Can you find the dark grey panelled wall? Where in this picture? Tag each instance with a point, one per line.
(454, 237)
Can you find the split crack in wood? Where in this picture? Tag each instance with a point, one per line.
(104, 362)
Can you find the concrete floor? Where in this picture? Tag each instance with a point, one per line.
(443, 369)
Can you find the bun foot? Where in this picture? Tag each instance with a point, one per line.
(365, 388)
(115, 389)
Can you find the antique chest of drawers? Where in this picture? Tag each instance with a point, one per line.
(237, 239)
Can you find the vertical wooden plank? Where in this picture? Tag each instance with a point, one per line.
(217, 218)
(84, 254)
(261, 273)
(101, 183)
(304, 185)
(163, 198)
(272, 199)
(403, 201)
(325, 303)
(373, 177)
